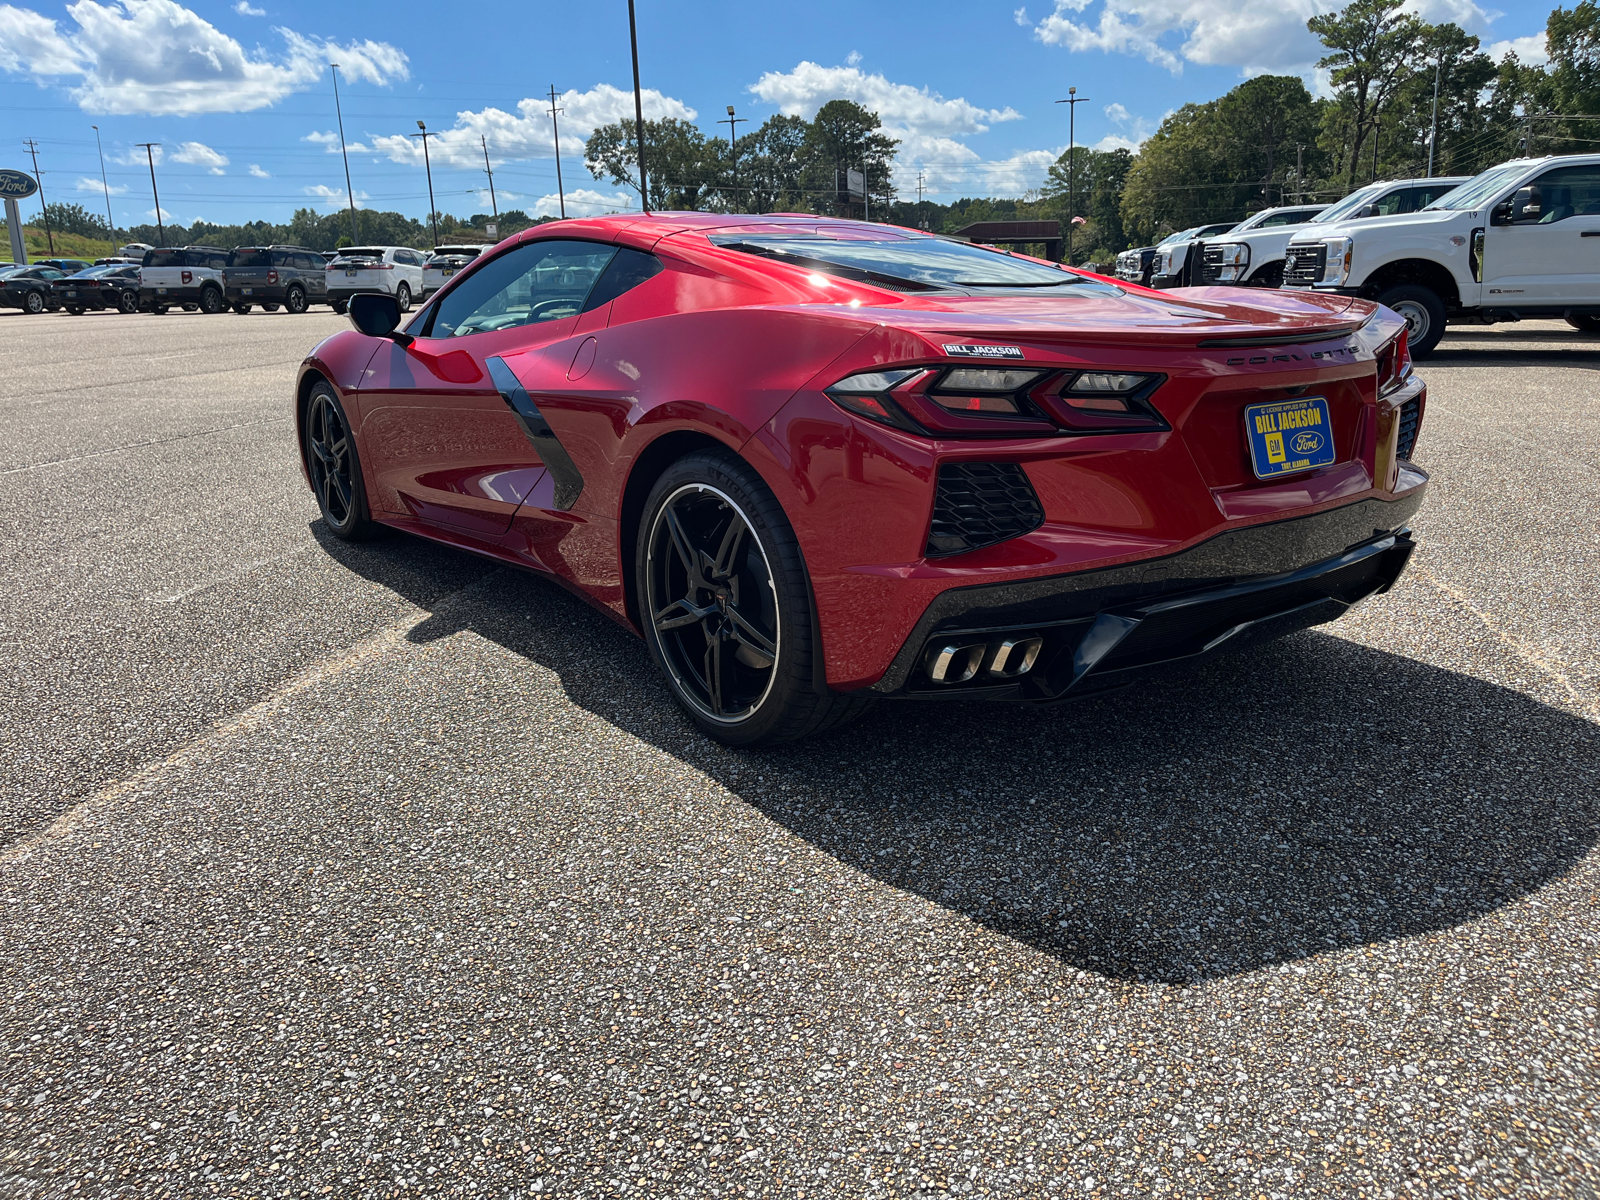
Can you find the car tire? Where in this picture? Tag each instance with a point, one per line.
(334, 466)
(339, 307)
(128, 302)
(269, 307)
(1423, 312)
(241, 309)
(294, 300)
(74, 310)
(211, 301)
(402, 294)
(32, 303)
(159, 310)
(1270, 276)
(1585, 324)
(191, 308)
(743, 669)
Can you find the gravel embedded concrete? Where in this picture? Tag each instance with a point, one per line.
(384, 871)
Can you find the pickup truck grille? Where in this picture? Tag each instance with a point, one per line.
(1303, 265)
(1210, 262)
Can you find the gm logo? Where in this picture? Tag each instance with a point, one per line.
(1307, 442)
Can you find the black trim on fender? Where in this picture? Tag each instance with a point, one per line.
(565, 473)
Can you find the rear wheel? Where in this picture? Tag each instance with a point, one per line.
(339, 306)
(241, 309)
(128, 302)
(75, 310)
(1424, 314)
(726, 610)
(33, 303)
(334, 468)
(211, 301)
(1585, 324)
(403, 295)
(295, 300)
(159, 310)
(270, 306)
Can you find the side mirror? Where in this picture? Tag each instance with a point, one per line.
(1500, 214)
(1368, 210)
(376, 315)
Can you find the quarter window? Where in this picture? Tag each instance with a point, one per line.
(538, 281)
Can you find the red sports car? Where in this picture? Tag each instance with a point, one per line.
(817, 462)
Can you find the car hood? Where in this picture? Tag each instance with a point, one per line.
(1370, 225)
(1133, 316)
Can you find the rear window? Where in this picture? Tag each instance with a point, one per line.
(164, 258)
(250, 258)
(362, 252)
(909, 263)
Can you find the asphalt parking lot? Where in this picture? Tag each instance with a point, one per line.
(382, 871)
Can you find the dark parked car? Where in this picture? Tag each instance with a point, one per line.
(29, 289)
(291, 276)
(111, 287)
(69, 265)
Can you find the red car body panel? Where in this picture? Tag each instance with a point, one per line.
(728, 348)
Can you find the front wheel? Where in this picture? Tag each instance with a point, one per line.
(339, 307)
(75, 310)
(726, 609)
(128, 302)
(1424, 314)
(1585, 324)
(403, 295)
(1270, 276)
(33, 303)
(334, 468)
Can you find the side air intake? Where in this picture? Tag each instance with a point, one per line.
(979, 504)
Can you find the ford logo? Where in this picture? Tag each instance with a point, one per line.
(1307, 443)
(16, 185)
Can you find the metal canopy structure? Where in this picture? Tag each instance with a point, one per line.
(1016, 233)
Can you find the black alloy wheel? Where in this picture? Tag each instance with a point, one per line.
(726, 607)
(403, 295)
(128, 302)
(33, 303)
(211, 301)
(294, 300)
(333, 466)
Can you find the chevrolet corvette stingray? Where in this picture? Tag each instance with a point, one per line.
(816, 462)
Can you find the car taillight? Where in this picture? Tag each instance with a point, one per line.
(272, 277)
(1394, 364)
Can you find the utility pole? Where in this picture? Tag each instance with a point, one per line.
(1433, 137)
(489, 171)
(733, 144)
(1072, 102)
(866, 183)
(33, 149)
(111, 223)
(555, 130)
(433, 216)
(350, 192)
(149, 149)
(920, 215)
(1300, 173)
(638, 110)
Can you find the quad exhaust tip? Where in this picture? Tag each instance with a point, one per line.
(1001, 658)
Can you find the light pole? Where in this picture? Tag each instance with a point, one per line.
(149, 149)
(33, 149)
(1072, 101)
(350, 192)
(555, 132)
(433, 217)
(638, 110)
(732, 123)
(110, 222)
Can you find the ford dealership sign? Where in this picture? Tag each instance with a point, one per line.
(16, 185)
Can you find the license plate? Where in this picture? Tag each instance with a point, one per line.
(248, 291)
(447, 272)
(351, 274)
(1292, 435)
(72, 295)
(161, 291)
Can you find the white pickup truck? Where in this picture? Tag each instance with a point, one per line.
(1186, 262)
(1520, 240)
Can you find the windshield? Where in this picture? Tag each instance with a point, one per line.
(1183, 235)
(920, 262)
(1351, 202)
(1480, 188)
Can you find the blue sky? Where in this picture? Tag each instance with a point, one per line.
(239, 94)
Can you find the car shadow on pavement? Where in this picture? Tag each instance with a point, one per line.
(1310, 795)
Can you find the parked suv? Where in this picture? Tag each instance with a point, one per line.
(189, 275)
(395, 270)
(1263, 235)
(445, 262)
(1520, 240)
(1134, 266)
(291, 276)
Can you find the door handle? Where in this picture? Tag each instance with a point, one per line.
(1590, 233)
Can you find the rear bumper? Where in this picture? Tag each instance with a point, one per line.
(256, 293)
(343, 290)
(1096, 627)
(173, 295)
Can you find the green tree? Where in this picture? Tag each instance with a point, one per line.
(845, 136)
(1374, 48)
(683, 171)
(771, 167)
(74, 218)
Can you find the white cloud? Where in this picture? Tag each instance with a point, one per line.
(201, 155)
(1134, 130)
(583, 202)
(809, 86)
(524, 134)
(334, 197)
(165, 215)
(257, 172)
(98, 187)
(158, 57)
(1531, 50)
(1021, 17)
(1021, 172)
(245, 9)
(134, 156)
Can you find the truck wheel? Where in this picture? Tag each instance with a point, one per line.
(1424, 314)
(294, 300)
(1270, 276)
(1585, 324)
